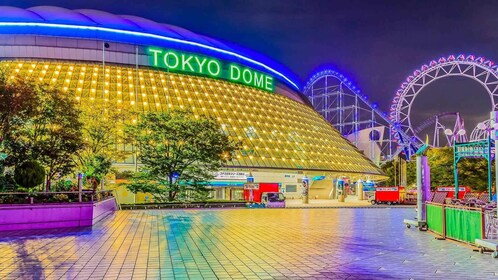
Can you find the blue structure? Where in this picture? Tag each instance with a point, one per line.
(94, 24)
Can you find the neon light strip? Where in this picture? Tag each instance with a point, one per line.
(141, 34)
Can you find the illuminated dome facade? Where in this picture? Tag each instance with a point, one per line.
(136, 63)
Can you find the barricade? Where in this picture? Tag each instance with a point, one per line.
(456, 222)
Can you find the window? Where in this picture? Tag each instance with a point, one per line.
(291, 188)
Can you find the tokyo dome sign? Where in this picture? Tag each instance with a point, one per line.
(176, 61)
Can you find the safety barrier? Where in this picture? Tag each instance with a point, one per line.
(456, 222)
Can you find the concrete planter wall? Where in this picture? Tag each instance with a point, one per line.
(54, 215)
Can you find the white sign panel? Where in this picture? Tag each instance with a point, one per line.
(449, 189)
(394, 189)
(251, 186)
(229, 175)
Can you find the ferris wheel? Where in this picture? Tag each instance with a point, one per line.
(479, 69)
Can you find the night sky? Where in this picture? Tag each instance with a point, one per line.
(375, 43)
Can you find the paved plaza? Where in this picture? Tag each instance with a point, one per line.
(353, 243)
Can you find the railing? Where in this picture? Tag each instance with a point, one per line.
(456, 222)
(53, 197)
(491, 224)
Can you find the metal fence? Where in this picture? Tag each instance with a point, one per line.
(491, 224)
(456, 222)
(53, 197)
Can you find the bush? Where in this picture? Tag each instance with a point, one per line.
(127, 174)
(65, 186)
(61, 197)
(7, 183)
(29, 174)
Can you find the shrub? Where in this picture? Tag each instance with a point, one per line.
(65, 186)
(61, 197)
(7, 183)
(29, 174)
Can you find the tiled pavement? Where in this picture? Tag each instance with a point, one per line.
(242, 244)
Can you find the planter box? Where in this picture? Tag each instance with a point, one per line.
(184, 205)
(54, 215)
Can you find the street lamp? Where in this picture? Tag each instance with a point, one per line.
(449, 132)
(484, 126)
(489, 128)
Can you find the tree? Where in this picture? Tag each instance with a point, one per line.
(29, 174)
(474, 173)
(392, 169)
(441, 164)
(18, 102)
(52, 135)
(178, 151)
(96, 168)
(471, 172)
(102, 131)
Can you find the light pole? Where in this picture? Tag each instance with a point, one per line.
(492, 131)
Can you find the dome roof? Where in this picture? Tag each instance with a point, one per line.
(102, 25)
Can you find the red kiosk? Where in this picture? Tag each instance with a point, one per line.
(389, 195)
(451, 191)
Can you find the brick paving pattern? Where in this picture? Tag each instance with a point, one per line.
(242, 244)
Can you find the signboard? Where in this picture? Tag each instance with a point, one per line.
(229, 175)
(493, 116)
(176, 61)
(449, 189)
(477, 149)
(383, 189)
(368, 184)
(251, 186)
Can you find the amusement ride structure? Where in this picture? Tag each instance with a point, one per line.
(383, 136)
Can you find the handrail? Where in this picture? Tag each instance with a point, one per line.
(457, 206)
(463, 207)
(30, 197)
(28, 193)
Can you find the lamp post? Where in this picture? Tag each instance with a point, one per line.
(494, 124)
(80, 186)
(492, 131)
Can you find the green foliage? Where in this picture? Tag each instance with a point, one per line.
(392, 169)
(127, 174)
(29, 174)
(471, 172)
(18, 101)
(61, 197)
(474, 173)
(96, 168)
(56, 132)
(7, 183)
(145, 183)
(411, 174)
(102, 130)
(64, 186)
(441, 164)
(51, 134)
(179, 151)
